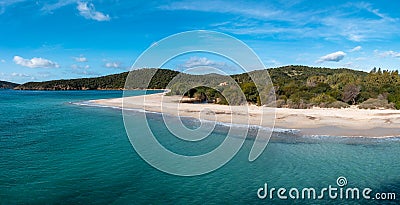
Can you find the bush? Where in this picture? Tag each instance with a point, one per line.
(322, 99)
(283, 97)
(373, 103)
(300, 104)
(280, 103)
(350, 93)
(335, 93)
(395, 98)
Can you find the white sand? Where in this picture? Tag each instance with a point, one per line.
(349, 121)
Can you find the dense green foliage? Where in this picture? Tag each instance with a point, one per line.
(205, 94)
(303, 87)
(139, 79)
(160, 79)
(7, 85)
(115, 81)
(294, 86)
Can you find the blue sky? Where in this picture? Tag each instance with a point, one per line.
(44, 40)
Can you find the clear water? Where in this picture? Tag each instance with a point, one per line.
(56, 152)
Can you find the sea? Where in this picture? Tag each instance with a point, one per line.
(56, 148)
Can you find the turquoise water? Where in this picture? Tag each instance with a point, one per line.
(55, 152)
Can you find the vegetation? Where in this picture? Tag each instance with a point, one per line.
(305, 87)
(301, 86)
(373, 103)
(293, 86)
(160, 80)
(7, 85)
(116, 81)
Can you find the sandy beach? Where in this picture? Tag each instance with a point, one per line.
(316, 121)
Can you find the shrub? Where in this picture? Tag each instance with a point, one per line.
(395, 98)
(335, 93)
(300, 104)
(373, 103)
(322, 99)
(280, 103)
(315, 80)
(350, 93)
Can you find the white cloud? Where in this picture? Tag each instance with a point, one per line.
(336, 57)
(82, 70)
(88, 11)
(112, 65)
(390, 54)
(196, 62)
(258, 11)
(2, 60)
(4, 4)
(273, 63)
(49, 8)
(81, 59)
(368, 7)
(360, 59)
(74, 66)
(330, 23)
(85, 72)
(357, 48)
(35, 62)
(19, 75)
(205, 65)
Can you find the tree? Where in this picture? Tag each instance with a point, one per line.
(200, 96)
(350, 93)
(315, 80)
(379, 71)
(322, 98)
(250, 91)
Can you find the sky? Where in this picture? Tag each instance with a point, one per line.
(46, 40)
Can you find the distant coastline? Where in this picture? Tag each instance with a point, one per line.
(99, 89)
(296, 87)
(7, 85)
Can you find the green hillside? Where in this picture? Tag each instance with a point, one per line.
(105, 82)
(294, 86)
(7, 85)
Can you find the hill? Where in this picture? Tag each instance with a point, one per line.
(109, 82)
(294, 86)
(7, 85)
(115, 81)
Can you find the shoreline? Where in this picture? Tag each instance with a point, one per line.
(116, 89)
(352, 122)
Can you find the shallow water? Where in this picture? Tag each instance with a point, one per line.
(55, 152)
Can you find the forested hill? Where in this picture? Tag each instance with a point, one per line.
(115, 81)
(109, 82)
(295, 86)
(7, 85)
(280, 76)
